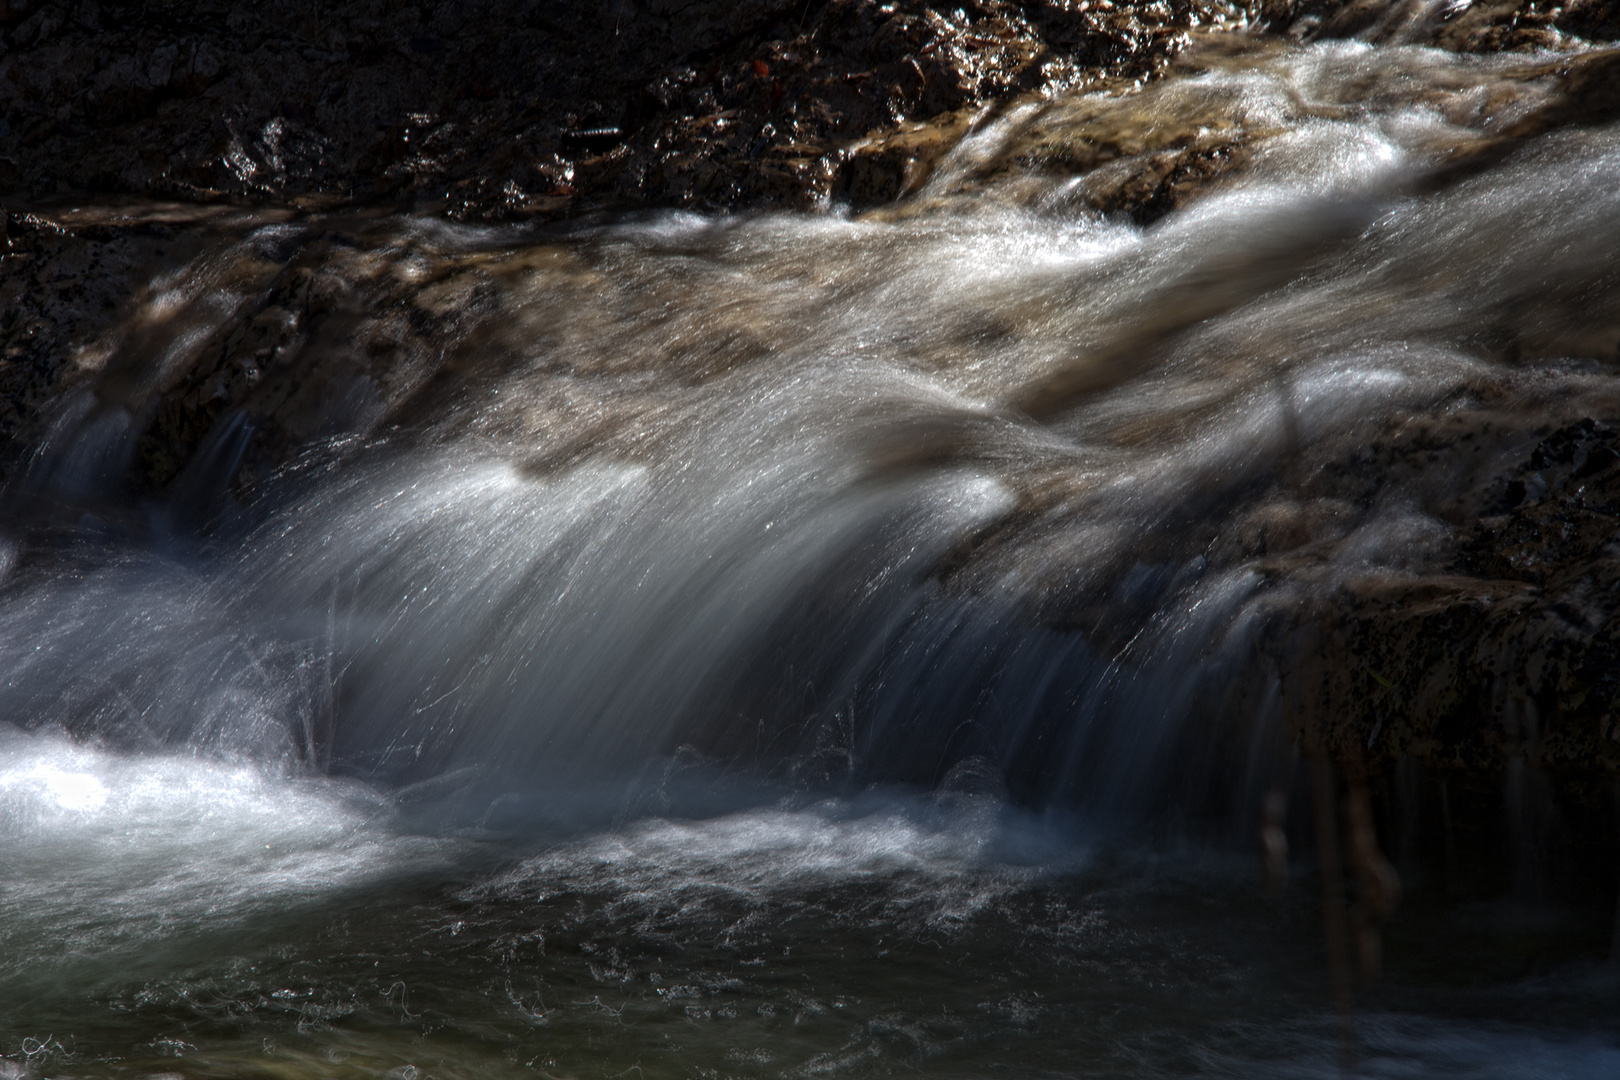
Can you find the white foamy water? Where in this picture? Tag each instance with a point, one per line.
(105, 854)
(921, 865)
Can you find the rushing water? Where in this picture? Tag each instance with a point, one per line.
(785, 645)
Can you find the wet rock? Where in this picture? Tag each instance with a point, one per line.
(1143, 152)
(1595, 20)
(1511, 653)
(1553, 515)
(1466, 26)
(661, 102)
(61, 289)
(896, 164)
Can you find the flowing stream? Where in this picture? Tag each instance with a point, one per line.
(786, 645)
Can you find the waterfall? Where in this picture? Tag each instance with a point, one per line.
(419, 614)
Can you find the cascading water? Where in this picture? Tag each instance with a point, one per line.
(744, 646)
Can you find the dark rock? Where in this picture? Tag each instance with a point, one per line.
(1596, 20)
(1478, 26)
(1512, 653)
(657, 103)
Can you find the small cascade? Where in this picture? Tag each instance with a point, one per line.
(578, 598)
(600, 547)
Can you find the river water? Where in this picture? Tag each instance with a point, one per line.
(789, 645)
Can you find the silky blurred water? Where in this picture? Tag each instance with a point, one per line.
(739, 650)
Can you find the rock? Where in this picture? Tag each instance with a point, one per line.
(61, 289)
(1471, 26)
(766, 102)
(896, 164)
(1511, 653)
(1595, 20)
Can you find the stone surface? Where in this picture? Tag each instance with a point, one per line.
(1510, 653)
(515, 108)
